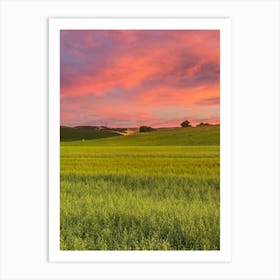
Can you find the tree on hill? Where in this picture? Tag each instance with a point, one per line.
(185, 123)
(146, 129)
(202, 124)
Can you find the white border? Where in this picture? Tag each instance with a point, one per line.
(55, 25)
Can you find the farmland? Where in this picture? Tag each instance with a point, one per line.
(158, 190)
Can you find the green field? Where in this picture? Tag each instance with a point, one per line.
(147, 191)
(74, 133)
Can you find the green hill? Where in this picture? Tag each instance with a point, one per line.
(79, 133)
(189, 136)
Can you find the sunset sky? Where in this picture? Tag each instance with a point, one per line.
(129, 78)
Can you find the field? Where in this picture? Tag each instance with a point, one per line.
(147, 191)
(71, 134)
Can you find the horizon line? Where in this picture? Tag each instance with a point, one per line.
(136, 126)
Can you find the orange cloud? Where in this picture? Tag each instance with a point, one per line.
(108, 72)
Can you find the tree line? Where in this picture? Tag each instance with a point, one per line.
(185, 123)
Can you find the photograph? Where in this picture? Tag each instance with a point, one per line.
(140, 140)
(131, 140)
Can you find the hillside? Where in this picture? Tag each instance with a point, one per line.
(79, 133)
(190, 136)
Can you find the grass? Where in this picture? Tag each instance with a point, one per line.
(206, 135)
(75, 133)
(150, 191)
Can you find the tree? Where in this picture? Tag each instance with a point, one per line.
(146, 129)
(185, 123)
(202, 124)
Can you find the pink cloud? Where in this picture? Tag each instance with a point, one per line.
(109, 73)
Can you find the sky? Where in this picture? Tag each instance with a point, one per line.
(130, 78)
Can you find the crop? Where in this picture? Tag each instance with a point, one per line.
(154, 191)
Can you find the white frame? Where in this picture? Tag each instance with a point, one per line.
(222, 24)
(24, 165)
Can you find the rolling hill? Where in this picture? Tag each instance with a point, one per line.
(189, 136)
(79, 133)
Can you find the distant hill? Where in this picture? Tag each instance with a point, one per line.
(190, 136)
(85, 132)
